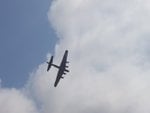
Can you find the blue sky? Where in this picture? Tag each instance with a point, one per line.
(25, 38)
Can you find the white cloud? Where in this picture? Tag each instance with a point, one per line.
(13, 101)
(109, 54)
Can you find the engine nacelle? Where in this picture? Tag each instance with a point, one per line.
(66, 66)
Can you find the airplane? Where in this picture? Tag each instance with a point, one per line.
(62, 68)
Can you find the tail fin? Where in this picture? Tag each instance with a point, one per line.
(50, 63)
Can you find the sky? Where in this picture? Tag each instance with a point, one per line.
(109, 55)
(25, 38)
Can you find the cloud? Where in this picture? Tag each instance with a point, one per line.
(13, 101)
(109, 54)
(108, 43)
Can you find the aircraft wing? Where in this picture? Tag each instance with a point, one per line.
(62, 68)
(57, 79)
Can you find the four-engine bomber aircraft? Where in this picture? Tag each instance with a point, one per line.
(62, 68)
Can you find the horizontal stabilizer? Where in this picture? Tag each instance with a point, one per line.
(50, 63)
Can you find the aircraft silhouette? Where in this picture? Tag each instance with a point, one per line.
(62, 68)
